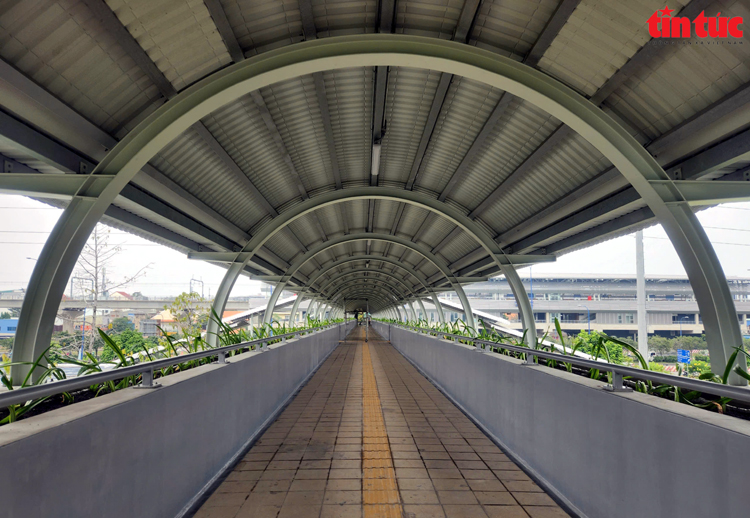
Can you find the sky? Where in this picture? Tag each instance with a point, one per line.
(25, 225)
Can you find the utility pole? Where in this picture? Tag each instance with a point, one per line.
(640, 268)
(367, 320)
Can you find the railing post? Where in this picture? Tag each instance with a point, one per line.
(222, 357)
(618, 384)
(147, 380)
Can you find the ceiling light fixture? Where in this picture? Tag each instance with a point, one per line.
(376, 158)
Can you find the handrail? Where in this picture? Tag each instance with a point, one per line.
(618, 371)
(146, 369)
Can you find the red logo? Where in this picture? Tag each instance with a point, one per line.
(663, 25)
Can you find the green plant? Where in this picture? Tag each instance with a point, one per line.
(50, 371)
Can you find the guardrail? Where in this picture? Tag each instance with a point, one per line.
(618, 371)
(145, 369)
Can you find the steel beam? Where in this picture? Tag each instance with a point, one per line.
(563, 12)
(216, 10)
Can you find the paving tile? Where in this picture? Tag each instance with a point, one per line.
(341, 511)
(506, 511)
(545, 512)
(464, 511)
(535, 499)
(419, 497)
(423, 511)
(369, 437)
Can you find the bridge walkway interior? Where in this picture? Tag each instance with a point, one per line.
(369, 436)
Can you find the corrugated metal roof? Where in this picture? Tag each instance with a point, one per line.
(408, 102)
(519, 132)
(342, 17)
(242, 133)
(262, 25)
(435, 18)
(574, 162)
(60, 46)
(296, 113)
(349, 93)
(65, 49)
(178, 35)
(607, 33)
(188, 161)
(465, 110)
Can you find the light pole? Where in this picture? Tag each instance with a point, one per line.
(588, 315)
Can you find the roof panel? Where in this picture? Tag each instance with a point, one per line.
(341, 17)
(179, 36)
(521, 129)
(295, 110)
(349, 93)
(511, 26)
(408, 101)
(191, 164)
(240, 130)
(465, 110)
(608, 33)
(62, 47)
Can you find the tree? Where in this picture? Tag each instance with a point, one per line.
(5, 315)
(121, 324)
(191, 312)
(660, 345)
(130, 342)
(91, 274)
(586, 343)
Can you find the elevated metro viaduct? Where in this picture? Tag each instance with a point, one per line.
(375, 155)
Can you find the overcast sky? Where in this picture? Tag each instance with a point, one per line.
(25, 225)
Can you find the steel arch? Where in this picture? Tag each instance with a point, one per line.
(365, 236)
(422, 280)
(414, 295)
(65, 243)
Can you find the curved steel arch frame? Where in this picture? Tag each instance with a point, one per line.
(377, 288)
(379, 296)
(399, 287)
(347, 285)
(65, 243)
(327, 268)
(348, 273)
(422, 280)
(365, 236)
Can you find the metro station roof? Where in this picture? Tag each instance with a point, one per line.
(77, 76)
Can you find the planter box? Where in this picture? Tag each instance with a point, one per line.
(614, 455)
(150, 453)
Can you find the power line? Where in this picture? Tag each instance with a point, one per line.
(712, 242)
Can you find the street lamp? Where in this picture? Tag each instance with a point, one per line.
(588, 315)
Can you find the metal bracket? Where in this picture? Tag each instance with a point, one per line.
(147, 381)
(617, 384)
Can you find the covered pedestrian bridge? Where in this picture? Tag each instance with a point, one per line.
(368, 156)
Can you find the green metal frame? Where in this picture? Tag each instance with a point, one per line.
(673, 211)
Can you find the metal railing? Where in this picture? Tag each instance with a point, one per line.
(618, 371)
(145, 369)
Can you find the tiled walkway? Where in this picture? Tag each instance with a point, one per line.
(368, 436)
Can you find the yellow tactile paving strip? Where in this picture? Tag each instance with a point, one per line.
(379, 489)
(368, 436)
